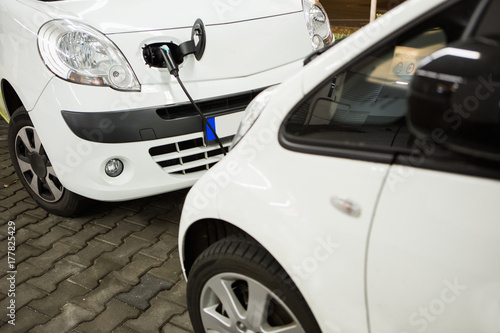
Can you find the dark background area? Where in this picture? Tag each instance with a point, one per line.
(354, 12)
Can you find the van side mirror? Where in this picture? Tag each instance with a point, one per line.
(454, 99)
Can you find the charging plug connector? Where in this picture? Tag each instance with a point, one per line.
(172, 66)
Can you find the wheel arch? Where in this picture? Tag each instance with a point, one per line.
(11, 99)
(203, 233)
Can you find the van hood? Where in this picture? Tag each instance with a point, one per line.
(123, 16)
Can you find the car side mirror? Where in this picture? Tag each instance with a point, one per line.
(454, 99)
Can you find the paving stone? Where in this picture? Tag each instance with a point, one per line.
(145, 235)
(51, 305)
(11, 185)
(91, 277)
(30, 200)
(38, 213)
(25, 234)
(12, 213)
(118, 234)
(124, 329)
(168, 201)
(88, 254)
(44, 226)
(109, 221)
(154, 230)
(97, 298)
(70, 317)
(116, 312)
(183, 321)
(174, 215)
(145, 215)
(12, 200)
(46, 241)
(77, 223)
(139, 265)
(79, 239)
(125, 251)
(155, 317)
(162, 248)
(177, 294)
(169, 271)
(26, 251)
(26, 318)
(48, 258)
(24, 219)
(140, 295)
(135, 206)
(169, 328)
(24, 293)
(25, 272)
(60, 272)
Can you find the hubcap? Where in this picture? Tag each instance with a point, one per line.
(38, 164)
(35, 166)
(232, 302)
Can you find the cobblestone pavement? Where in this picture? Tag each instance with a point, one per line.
(115, 269)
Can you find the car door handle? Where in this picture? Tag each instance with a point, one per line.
(346, 206)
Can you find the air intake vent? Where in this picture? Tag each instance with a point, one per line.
(210, 107)
(188, 156)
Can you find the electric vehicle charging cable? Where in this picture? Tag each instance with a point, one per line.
(174, 70)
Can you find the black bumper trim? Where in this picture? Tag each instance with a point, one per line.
(151, 123)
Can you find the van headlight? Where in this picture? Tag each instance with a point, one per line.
(318, 24)
(78, 53)
(252, 113)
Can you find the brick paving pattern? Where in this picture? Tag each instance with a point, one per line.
(113, 269)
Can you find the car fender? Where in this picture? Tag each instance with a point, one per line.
(20, 61)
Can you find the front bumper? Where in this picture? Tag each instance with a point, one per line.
(165, 162)
(153, 123)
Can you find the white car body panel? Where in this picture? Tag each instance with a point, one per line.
(293, 196)
(293, 210)
(330, 254)
(241, 55)
(84, 175)
(113, 16)
(230, 53)
(447, 218)
(26, 73)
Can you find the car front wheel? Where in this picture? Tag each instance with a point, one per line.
(34, 169)
(237, 286)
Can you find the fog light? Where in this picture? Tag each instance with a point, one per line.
(114, 167)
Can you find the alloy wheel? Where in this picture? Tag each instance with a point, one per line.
(235, 303)
(35, 166)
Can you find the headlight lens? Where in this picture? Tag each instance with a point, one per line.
(252, 113)
(317, 23)
(78, 53)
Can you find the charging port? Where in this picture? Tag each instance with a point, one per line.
(153, 54)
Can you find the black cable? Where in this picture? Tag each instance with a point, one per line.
(205, 120)
(174, 70)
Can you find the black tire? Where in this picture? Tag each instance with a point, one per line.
(35, 171)
(243, 266)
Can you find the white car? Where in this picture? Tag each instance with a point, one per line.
(361, 195)
(95, 114)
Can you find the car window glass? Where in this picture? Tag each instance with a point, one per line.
(365, 106)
